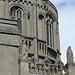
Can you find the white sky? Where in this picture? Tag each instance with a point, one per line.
(66, 14)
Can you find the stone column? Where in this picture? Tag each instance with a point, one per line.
(55, 48)
(58, 41)
(35, 23)
(53, 36)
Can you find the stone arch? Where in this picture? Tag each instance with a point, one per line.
(40, 13)
(49, 15)
(18, 5)
(49, 28)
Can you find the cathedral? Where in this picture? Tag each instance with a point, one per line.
(29, 38)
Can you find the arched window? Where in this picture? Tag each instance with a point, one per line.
(40, 26)
(47, 33)
(50, 31)
(28, 24)
(16, 13)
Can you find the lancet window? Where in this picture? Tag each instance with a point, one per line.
(28, 24)
(40, 26)
(50, 31)
(16, 13)
(42, 48)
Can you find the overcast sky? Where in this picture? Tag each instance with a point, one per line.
(66, 14)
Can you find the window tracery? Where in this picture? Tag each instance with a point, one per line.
(50, 31)
(16, 13)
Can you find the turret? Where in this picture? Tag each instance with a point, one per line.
(70, 56)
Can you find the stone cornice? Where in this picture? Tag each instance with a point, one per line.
(41, 6)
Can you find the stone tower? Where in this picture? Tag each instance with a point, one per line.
(29, 38)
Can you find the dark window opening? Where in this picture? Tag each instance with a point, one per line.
(28, 16)
(41, 17)
(19, 25)
(47, 35)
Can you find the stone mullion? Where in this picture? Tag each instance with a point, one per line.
(23, 23)
(31, 46)
(28, 45)
(48, 34)
(55, 36)
(45, 37)
(41, 49)
(13, 13)
(51, 35)
(44, 49)
(35, 30)
(26, 26)
(38, 48)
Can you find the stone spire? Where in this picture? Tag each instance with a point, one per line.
(70, 56)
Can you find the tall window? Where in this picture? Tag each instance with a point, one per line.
(47, 34)
(28, 24)
(16, 13)
(40, 26)
(19, 25)
(50, 32)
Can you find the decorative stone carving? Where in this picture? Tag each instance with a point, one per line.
(70, 56)
(23, 52)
